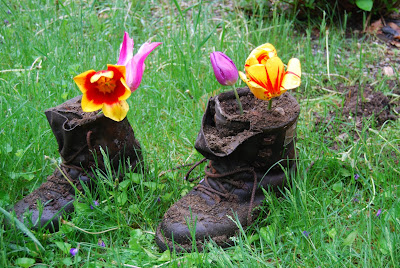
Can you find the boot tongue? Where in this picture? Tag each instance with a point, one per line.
(223, 168)
(222, 183)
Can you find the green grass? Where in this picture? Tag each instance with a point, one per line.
(45, 45)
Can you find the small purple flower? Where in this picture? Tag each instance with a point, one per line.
(224, 68)
(356, 176)
(8, 11)
(355, 200)
(378, 214)
(101, 244)
(305, 233)
(94, 203)
(6, 21)
(73, 251)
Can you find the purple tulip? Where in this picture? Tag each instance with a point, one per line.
(224, 68)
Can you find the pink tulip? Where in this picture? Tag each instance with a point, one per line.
(134, 64)
(224, 69)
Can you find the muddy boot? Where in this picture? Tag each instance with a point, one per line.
(79, 136)
(245, 153)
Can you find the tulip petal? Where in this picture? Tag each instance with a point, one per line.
(257, 90)
(292, 77)
(258, 74)
(127, 92)
(260, 55)
(263, 53)
(89, 105)
(135, 67)
(119, 70)
(126, 50)
(105, 73)
(251, 60)
(275, 71)
(81, 80)
(294, 66)
(116, 111)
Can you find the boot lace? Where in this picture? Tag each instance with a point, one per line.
(209, 190)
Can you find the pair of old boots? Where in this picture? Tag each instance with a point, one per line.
(231, 188)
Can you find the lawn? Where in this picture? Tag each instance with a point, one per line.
(342, 208)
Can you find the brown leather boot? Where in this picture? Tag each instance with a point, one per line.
(243, 160)
(79, 136)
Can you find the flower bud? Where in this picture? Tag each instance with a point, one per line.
(224, 69)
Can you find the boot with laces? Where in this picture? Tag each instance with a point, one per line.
(79, 136)
(243, 158)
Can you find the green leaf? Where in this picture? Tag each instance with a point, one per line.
(122, 198)
(253, 237)
(134, 177)
(135, 235)
(67, 261)
(337, 187)
(365, 4)
(4, 198)
(350, 238)
(28, 177)
(8, 148)
(153, 185)
(268, 233)
(166, 256)
(332, 233)
(19, 153)
(81, 207)
(124, 184)
(167, 197)
(64, 96)
(25, 262)
(345, 172)
(65, 247)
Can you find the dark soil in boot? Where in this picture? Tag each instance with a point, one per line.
(256, 111)
(256, 118)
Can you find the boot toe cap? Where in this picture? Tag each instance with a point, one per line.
(47, 217)
(193, 215)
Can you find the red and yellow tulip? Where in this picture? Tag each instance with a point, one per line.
(265, 73)
(106, 90)
(109, 89)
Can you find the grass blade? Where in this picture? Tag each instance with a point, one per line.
(22, 227)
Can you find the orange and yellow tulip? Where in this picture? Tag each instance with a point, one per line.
(109, 89)
(265, 73)
(106, 89)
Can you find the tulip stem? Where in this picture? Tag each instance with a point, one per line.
(270, 104)
(237, 99)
